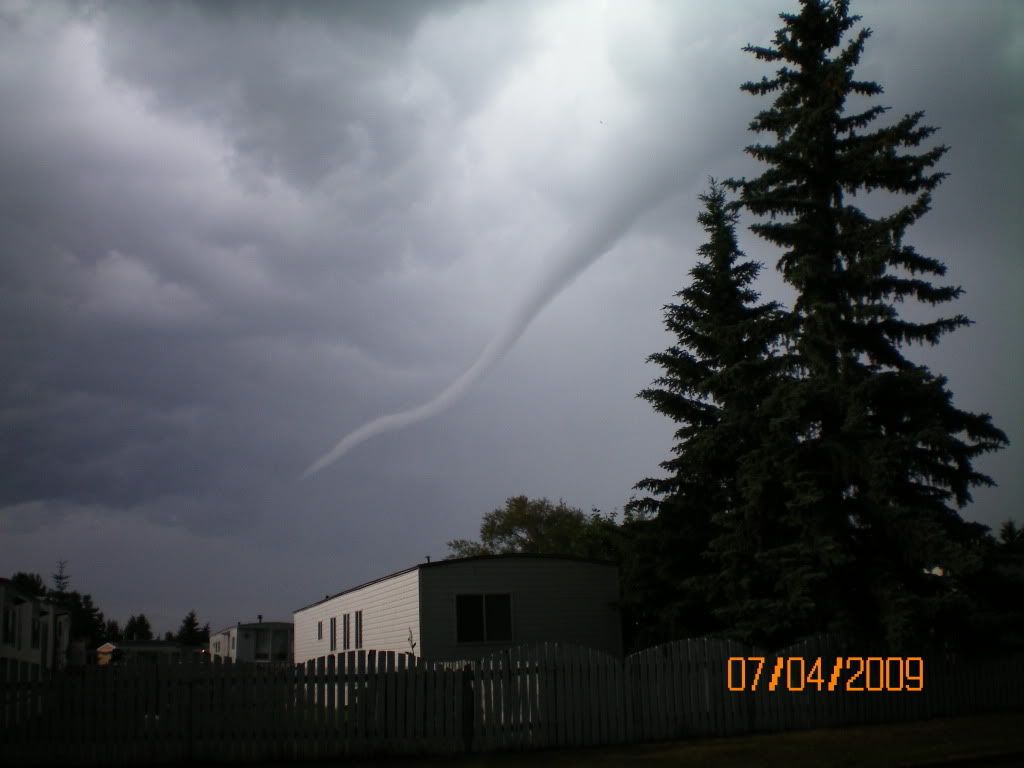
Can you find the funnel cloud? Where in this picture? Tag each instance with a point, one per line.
(569, 258)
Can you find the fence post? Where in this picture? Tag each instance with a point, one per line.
(189, 709)
(468, 705)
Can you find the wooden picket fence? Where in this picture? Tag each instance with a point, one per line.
(524, 698)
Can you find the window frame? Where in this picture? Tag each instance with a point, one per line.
(483, 604)
(261, 637)
(333, 632)
(359, 630)
(10, 626)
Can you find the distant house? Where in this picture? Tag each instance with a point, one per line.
(467, 607)
(34, 633)
(145, 652)
(254, 642)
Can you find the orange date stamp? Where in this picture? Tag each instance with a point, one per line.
(847, 674)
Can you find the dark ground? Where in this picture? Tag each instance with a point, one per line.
(988, 741)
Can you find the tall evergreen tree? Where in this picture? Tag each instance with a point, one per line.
(874, 459)
(190, 633)
(137, 628)
(87, 622)
(61, 579)
(721, 365)
(113, 632)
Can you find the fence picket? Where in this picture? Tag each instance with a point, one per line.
(549, 696)
(501, 699)
(584, 719)
(572, 733)
(514, 678)
(481, 705)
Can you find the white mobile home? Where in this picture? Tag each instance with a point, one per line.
(34, 634)
(467, 607)
(254, 642)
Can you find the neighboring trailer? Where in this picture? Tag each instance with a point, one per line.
(467, 607)
(259, 642)
(34, 635)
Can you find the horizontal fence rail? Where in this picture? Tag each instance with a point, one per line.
(529, 697)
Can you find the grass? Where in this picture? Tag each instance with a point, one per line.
(931, 742)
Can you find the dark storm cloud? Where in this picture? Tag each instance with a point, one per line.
(165, 324)
(305, 91)
(232, 232)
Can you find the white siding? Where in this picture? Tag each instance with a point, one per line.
(224, 638)
(245, 640)
(564, 601)
(390, 610)
(244, 644)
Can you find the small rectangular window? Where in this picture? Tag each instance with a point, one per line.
(498, 617)
(11, 634)
(469, 618)
(346, 632)
(319, 630)
(483, 618)
(359, 629)
(232, 642)
(279, 647)
(262, 644)
(334, 633)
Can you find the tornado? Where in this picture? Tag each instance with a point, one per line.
(570, 257)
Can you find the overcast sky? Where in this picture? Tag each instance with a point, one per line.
(231, 234)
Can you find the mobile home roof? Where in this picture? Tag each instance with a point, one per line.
(440, 563)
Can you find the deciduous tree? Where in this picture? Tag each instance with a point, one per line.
(538, 526)
(30, 584)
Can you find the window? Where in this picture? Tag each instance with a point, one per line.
(319, 630)
(359, 629)
(232, 642)
(498, 617)
(35, 631)
(469, 618)
(10, 617)
(262, 652)
(483, 618)
(346, 632)
(334, 633)
(279, 647)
